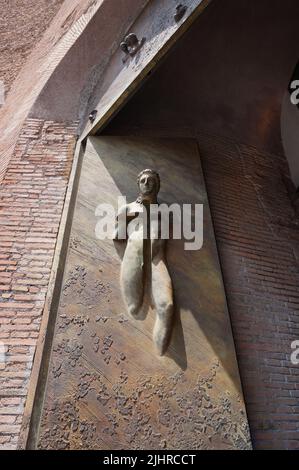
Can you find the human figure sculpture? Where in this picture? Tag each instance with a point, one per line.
(144, 260)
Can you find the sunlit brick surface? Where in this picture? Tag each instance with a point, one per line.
(31, 201)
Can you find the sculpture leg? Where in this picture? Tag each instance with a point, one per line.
(131, 277)
(163, 302)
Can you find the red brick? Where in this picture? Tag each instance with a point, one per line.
(7, 419)
(31, 203)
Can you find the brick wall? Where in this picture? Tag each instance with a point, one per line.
(257, 235)
(31, 202)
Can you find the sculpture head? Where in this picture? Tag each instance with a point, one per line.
(149, 184)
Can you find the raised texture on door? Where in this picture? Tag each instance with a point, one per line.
(107, 387)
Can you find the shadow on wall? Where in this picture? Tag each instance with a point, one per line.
(227, 76)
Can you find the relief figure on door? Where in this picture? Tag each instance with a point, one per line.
(143, 265)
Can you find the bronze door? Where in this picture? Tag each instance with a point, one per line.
(107, 387)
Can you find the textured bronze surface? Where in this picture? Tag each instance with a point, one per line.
(107, 388)
(144, 265)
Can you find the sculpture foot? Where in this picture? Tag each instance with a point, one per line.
(161, 336)
(134, 311)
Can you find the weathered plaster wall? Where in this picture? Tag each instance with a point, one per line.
(22, 23)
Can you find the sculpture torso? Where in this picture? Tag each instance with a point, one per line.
(144, 263)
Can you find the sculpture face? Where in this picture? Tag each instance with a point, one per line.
(148, 182)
